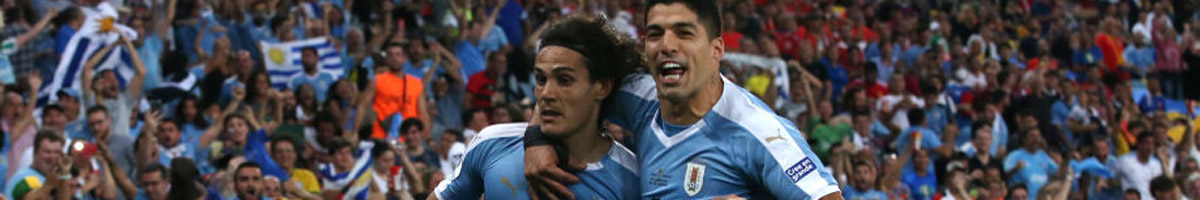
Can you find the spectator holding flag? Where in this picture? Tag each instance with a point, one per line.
(312, 75)
(104, 87)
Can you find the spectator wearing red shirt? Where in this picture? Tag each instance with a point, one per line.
(482, 86)
(729, 33)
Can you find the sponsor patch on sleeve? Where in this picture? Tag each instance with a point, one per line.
(800, 169)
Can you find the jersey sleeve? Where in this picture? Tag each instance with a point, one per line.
(466, 182)
(787, 167)
(633, 104)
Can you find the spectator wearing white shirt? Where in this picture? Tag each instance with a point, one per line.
(1136, 169)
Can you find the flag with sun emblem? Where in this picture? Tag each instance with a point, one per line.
(283, 59)
(98, 30)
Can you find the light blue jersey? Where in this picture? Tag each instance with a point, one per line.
(494, 167)
(740, 147)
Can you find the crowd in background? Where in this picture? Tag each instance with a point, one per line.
(905, 99)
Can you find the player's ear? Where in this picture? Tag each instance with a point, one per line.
(601, 89)
(718, 51)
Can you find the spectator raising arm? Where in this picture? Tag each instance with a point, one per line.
(88, 73)
(134, 88)
(37, 28)
(27, 118)
(215, 130)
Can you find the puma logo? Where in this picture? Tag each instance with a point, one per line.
(510, 185)
(778, 136)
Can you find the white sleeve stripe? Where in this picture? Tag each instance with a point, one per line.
(774, 135)
(623, 156)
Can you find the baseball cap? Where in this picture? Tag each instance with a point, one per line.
(68, 92)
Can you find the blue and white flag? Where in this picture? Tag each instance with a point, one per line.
(98, 30)
(353, 183)
(283, 59)
(313, 10)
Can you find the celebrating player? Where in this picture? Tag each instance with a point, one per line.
(698, 135)
(579, 65)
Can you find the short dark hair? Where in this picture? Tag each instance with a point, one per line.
(979, 125)
(97, 108)
(280, 139)
(151, 168)
(458, 137)
(916, 116)
(708, 12)
(410, 123)
(468, 116)
(857, 113)
(389, 45)
(45, 135)
(338, 144)
(1161, 183)
(52, 107)
(1145, 136)
(302, 50)
(379, 148)
(247, 164)
(863, 163)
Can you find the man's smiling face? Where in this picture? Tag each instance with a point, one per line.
(679, 51)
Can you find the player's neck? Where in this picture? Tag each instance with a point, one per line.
(587, 145)
(691, 110)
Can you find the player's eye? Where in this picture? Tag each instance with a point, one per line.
(540, 79)
(564, 80)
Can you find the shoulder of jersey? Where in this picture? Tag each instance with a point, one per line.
(500, 131)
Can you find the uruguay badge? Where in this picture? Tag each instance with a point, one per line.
(693, 179)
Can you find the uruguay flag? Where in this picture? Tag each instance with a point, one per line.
(98, 30)
(283, 59)
(354, 182)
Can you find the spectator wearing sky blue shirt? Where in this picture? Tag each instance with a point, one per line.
(927, 138)
(1140, 55)
(1030, 165)
(468, 49)
(320, 81)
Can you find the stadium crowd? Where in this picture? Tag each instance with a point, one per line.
(900, 99)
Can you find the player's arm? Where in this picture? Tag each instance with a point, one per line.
(467, 181)
(788, 168)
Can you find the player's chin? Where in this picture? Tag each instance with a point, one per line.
(553, 129)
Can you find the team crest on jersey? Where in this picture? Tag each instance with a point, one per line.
(693, 179)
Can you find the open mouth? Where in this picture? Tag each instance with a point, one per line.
(549, 115)
(671, 72)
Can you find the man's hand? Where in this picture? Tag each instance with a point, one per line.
(239, 93)
(153, 119)
(544, 176)
(35, 79)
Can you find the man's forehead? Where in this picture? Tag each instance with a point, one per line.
(668, 14)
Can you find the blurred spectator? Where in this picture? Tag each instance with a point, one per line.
(398, 93)
(450, 151)
(416, 149)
